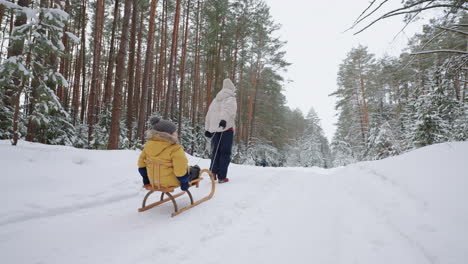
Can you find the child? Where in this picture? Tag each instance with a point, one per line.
(163, 146)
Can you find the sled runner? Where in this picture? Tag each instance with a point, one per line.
(154, 173)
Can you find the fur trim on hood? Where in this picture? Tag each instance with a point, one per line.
(162, 135)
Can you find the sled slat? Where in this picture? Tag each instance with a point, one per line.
(149, 206)
(171, 189)
(196, 182)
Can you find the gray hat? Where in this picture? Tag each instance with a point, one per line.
(162, 125)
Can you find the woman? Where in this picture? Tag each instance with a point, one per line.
(219, 125)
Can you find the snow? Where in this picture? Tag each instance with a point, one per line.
(67, 205)
(73, 37)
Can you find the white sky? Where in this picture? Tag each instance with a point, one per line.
(316, 46)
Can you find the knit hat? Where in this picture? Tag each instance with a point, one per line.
(162, 125)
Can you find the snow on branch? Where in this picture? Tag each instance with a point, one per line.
(439, 51)
(359, 19)
(408, 9)
(454, 30)
(396, 13)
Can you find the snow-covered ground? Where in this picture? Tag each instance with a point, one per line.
(66, 205)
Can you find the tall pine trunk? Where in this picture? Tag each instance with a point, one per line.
(172, 59)
(61, 90)
(110, 62)
(78, 69)
(15, 49)
(162, 57)
(182, 67)
(83, 70)
(131, 72)
(146, 73)
(119, 79)
(136, 98)
(96, 75)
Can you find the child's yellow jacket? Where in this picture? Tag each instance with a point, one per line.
(165, 148)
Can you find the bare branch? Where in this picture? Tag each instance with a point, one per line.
(408, 22)
(394, 13)
(425, 44)
(440, 51)
(363, 12)
(454, 30)
(373, 11)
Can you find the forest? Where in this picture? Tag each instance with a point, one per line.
(89, 74)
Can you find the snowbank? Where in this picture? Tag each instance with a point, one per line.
(66, 205)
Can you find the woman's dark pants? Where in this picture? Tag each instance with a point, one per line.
(220, 160)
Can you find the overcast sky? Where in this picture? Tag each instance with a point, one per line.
(317, 45)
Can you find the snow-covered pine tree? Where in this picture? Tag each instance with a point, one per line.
(312, 148)
(382, 142)
(429, 119)
(100, 132)
(42, 34)
(81, 136)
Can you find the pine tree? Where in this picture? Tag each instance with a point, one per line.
(48, 122)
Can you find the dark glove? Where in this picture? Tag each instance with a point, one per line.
(184, 182)
(208, 134)
(222, 124)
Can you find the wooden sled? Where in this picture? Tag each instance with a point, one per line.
(169, 190)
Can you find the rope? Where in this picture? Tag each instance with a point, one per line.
(216, 153)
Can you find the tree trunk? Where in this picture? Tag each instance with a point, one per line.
(360, 115)
(12, 96)
(15, 48)
(218, 62)
(131, 72)
(136, 98)
(209, 78)
(78, 68)
(150, 88)
(162, 57)
(146, 73)
(364, 105)
(2, 12)
(240, 124)
(172, 59)
(83, 70)
(61, 90)
(119, 79)
(197, 69)
(182, 67)
(155, 103)
(252, 99)
(110, 62)
(236, 49)
(96, 75)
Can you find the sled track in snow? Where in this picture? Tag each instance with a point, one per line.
(64, 210)
(382, 214)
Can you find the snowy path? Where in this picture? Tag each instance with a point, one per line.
(370, 212)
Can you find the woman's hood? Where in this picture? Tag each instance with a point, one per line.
(229, 90)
